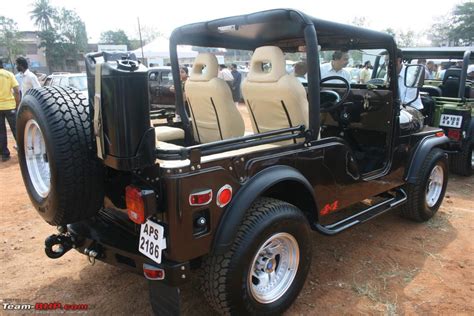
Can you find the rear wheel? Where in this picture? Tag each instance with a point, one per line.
(427, 193)
(62, 175)
(461, 163)
(267, 264)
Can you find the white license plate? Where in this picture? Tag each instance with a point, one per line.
(152, 241)
(451, 120)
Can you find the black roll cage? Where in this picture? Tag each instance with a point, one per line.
(258, 29)
(464, 53)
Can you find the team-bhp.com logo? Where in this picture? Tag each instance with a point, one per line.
(44, 307)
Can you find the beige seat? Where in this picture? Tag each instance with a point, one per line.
(213, 113)
(168, 133)
(274, 98)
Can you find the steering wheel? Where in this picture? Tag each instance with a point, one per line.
(330, 100)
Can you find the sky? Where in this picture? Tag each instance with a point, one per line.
(164, 16)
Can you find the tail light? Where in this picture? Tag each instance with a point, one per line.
(200, 198)
(224, 195)
(135, 204)
(454, 134)
(152, 272)
(439, 134)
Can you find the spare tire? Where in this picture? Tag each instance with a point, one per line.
(57, 155)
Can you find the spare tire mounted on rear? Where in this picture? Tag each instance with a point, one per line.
(57, 156)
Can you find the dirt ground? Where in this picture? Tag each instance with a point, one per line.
(386, 266)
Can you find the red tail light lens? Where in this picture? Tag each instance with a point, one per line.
(135, 204)
(224, 196)
(153, 273)
(200, 198)
(454, 134)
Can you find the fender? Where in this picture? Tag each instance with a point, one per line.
(258, 184)
(470, 131)
(420, 153)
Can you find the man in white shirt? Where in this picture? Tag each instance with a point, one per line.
(29, 79)
(226, 75)
(340, 59)
(406, 94)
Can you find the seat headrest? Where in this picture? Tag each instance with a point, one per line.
(267, 54)
(204, 68)
(453, 74)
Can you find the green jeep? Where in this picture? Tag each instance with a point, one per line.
(448, 98)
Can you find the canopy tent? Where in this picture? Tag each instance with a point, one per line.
(160, 48)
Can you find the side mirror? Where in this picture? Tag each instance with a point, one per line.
(414, 76)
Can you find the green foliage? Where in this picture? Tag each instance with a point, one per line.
(10, 39)
(456, 28)
(115, 37)
(65, 37)
(42, 14)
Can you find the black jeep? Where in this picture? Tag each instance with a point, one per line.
(204, 193)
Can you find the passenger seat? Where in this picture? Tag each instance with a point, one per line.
(275, 99)
(214, 114)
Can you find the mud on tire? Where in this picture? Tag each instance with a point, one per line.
(63, 177)
(225, 277)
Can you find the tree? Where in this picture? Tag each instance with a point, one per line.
(149, 33)
(10, 39)
(115, 37)
(406, 39)
(43, 14)
(455, 29)
(65, 40)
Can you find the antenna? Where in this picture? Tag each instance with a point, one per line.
(140, 34)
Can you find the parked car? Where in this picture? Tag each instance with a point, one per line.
(205, 196)
(160, 82)
(65, 79)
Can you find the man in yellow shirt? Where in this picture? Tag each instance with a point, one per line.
(9, 101)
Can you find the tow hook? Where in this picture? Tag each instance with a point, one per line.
(91, 255)
(64, 243)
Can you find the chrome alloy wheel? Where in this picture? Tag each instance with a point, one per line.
(434, 187)
(37, 158)
(274, 268)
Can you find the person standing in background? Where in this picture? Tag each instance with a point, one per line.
(9, 101)
(235, 87)
(365, 73)
(29, 79)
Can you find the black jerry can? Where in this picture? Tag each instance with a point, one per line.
(128, 137)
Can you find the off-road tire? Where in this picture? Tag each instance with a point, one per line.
(460, 163)
(416, 207)
(224, 276)
(76, 175)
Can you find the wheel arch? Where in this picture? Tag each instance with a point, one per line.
(420, 152)
(282, 182)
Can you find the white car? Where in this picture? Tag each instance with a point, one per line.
(65, 79)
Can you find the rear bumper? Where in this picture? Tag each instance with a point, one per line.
(118, 246)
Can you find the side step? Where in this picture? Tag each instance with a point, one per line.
(373, 211)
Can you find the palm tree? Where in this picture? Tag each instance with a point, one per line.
(42, 14)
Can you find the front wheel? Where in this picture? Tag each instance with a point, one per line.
(265, 268)
(427, 193)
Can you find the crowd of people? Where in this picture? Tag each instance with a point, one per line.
(11, 90)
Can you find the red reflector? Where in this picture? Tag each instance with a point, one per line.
(135, 205)
(454, 134)
(439, 134)
(200, 198)
(224, 195)
(153, 273)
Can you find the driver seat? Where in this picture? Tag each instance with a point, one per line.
(274, 99)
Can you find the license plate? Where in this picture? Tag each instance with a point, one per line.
(451, 120)
(152, 241)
